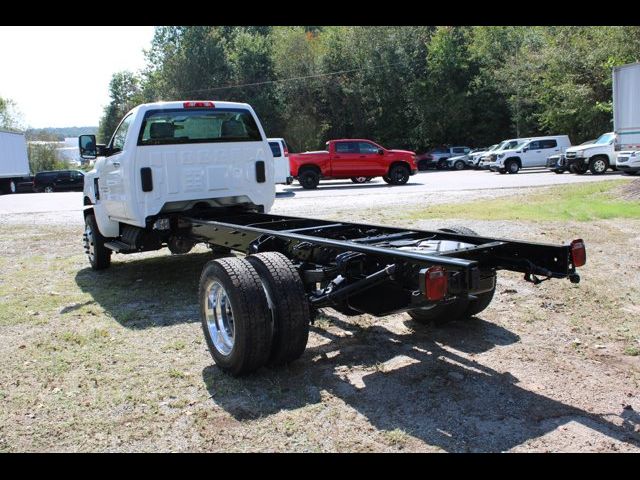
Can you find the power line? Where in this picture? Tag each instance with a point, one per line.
(213, 89)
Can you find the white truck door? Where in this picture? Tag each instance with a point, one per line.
(534, 156)
(113, 175)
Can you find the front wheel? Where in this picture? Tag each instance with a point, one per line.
(99, 255)
(442, 164)
(49, 189)
(398, 175)
(512, 167)
(459, 165)
(598, 165)
(309, 179)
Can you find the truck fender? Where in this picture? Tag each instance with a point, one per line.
(107, 227)
(309, 166)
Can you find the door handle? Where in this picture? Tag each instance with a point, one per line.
(115, 164)
(362, 156)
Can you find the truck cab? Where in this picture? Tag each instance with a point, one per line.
(532, 153)
(596, 157)
(169, 157)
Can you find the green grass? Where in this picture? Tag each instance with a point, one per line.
(585, 202)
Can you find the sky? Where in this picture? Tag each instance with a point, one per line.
(59, 76)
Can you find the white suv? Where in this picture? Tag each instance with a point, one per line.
(529, 154)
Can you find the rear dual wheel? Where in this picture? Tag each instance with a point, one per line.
(254, 312)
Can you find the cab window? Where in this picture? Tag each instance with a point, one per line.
(275, 149)
(346, 147)
(119, 137)
(548, 144)
(367, 148)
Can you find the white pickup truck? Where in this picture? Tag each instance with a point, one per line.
(596, 157)
(179, 173)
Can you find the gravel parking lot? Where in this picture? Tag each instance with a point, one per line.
(116, 360)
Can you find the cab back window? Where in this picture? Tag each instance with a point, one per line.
(275, 149)
(176, 126)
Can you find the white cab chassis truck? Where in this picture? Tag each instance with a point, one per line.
(179, 173)
(14, 162)
(626, 117)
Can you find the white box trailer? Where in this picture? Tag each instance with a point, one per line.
(14, 162)
(626, 117)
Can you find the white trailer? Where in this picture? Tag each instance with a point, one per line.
(626, 117)
(14, 162)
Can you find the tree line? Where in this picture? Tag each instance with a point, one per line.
(404, 87)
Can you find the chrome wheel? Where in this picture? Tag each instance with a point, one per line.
(48, 189)
(360, 179)
(89, 243)
(12, 186)
(599, 166)
(219, 317)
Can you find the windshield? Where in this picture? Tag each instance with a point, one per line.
(604, 139)
(509, 144)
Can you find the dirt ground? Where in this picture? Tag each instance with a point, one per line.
(116, 360)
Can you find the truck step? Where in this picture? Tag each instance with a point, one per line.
(118, 246)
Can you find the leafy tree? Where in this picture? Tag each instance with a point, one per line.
(125, 93)
(10, 118)
(44, 156)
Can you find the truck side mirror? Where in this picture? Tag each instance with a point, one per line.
(87, 145)
(380, 151)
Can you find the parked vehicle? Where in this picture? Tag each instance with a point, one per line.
(558, 163)
(468, 160)
(491, 155)
(179, 173)
(282, 169)
(476, 156)
(14, 162)
(58, 181)
(596, 157)
(437, 158)
(626, 117)
(357, 159)
(529, 154)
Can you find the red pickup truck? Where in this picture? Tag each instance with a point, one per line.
(357, 159)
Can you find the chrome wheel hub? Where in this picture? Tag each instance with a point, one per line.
(219, 316)
(89, 244)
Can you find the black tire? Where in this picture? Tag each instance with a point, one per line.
(578, 170)
(309, 179)
(361, 179)
(442, 164)
(512, 167)
(398, 174)
(386, 179)
(99, 255)
(289, 306)
(459, 165)
(245, 300)
(48, 189)
(502, 171)
(559, 172)
(598, 165)
(460, 309)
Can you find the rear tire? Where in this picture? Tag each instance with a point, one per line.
(559, 172)
(288, 303)
(578, 170)
(99, 255)
(309, 179)
(459, 165)
(235, 315)
(442, 164)
(398, 175)
(48, 189)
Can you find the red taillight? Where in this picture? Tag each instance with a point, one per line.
(578, 253)
(435, 283)
(286, 151)
(198, 105)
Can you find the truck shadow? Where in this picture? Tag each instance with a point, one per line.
(148, 292)
(413, 383)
